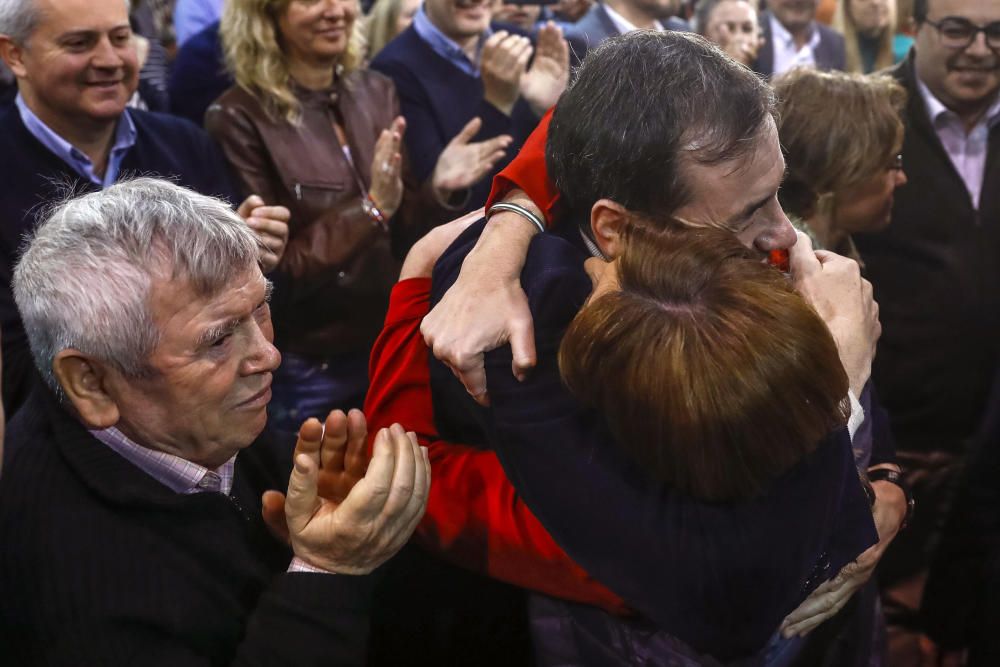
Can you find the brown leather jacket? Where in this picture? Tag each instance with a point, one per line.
(333, 283)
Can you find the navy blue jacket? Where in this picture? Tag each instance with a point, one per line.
(198, 75)
(32, 177)
(719, 577)
(438, 99)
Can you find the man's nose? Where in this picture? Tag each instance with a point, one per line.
(263, 356)
(979, 47)
(780, 235)
(106, 56)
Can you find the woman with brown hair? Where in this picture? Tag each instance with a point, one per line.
(306, 128)
(687, 338)
(841, 135)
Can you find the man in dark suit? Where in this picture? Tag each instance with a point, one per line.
(793, 38)
(453, 68)
(132, 530)
(617, 17)
(936, 268)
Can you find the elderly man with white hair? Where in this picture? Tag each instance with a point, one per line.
(132, 528)
(76, 68)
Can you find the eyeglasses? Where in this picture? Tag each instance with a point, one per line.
(897, 163)
(958, 33)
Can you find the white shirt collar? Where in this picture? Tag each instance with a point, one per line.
(624, 25)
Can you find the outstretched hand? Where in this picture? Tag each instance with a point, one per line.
(464, 162)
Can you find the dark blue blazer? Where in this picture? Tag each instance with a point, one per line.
(32, 177)
(438, 99)
(198, 75)
(719, 577)
(596, 26)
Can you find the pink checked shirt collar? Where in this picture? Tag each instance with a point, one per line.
(177, 474)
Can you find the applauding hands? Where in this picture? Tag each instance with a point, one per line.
(341, 513)
(506, 75)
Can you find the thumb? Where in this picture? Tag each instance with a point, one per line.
(248, 205)
(801, 257)
(302, 500)
(470, 130)
(272, 507)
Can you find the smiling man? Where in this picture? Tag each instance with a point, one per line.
(76, 67)
(936, 269)
(132, 530)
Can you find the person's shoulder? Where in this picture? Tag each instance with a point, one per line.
(166, 126)
(554, 278)
(829, 34)
(369, 80)
(400, 50)
(236, 100)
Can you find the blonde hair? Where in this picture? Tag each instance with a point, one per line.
(843, 21)
(251, 43)
(380, 24)
(836, 130)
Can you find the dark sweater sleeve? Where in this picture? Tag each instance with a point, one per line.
(309, 619)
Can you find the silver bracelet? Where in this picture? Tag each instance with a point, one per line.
(520, 210)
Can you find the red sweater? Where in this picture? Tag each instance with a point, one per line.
(527, 172)
(474, 517)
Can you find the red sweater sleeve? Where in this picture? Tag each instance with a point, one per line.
(474, 517)
(527, 172)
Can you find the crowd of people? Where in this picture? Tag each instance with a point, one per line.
(472, 332)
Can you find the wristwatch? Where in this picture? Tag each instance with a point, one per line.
(895, 477)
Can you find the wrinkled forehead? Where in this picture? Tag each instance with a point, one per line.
(81, 15)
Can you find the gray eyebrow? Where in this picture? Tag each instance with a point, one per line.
(214, 333)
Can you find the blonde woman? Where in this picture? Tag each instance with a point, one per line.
(870, 34)
(841, 135)
(304, 127)
(387, 19)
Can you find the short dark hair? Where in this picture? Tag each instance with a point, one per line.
(712, 372)
(920, 10)
(639, 103)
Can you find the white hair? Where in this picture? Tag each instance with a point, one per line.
(19, 18)
(85, 277)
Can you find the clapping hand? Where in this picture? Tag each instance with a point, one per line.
(342, 513)
(271, 225)
(548, 75)
(501, 65)
(386, 189)
(463, 164)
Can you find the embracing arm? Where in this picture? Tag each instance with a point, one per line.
(474, 516)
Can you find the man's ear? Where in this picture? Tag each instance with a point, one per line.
(607, 222)
(84, 382)
(13, 56)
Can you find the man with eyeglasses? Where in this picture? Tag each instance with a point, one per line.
(936, 268)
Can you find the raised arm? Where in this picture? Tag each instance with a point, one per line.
(474, 517)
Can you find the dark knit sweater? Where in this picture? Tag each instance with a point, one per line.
(31, 177)
(102, 565)
(438, 99)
